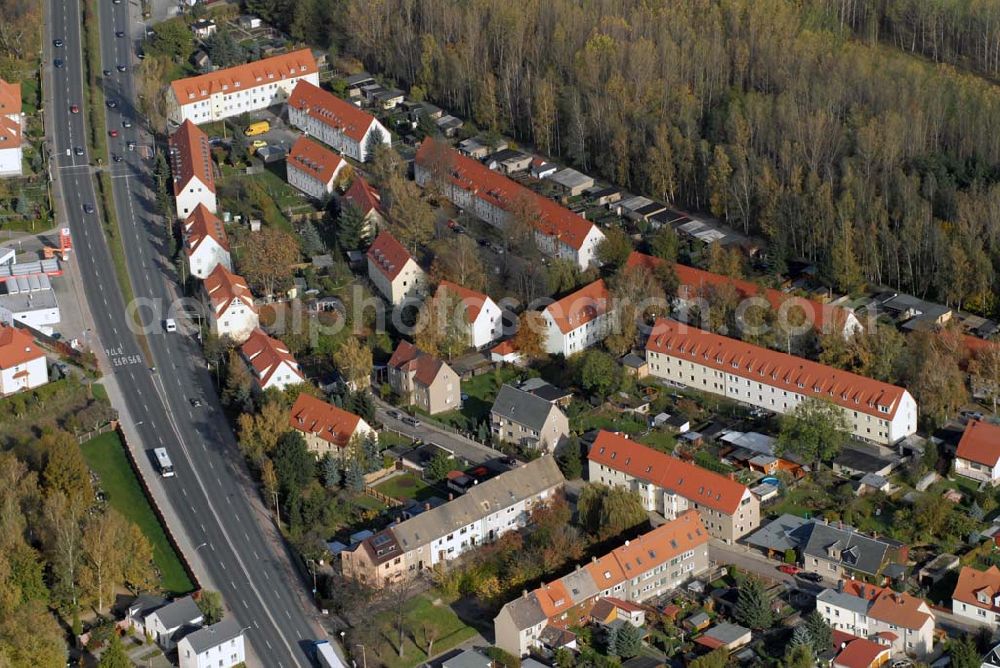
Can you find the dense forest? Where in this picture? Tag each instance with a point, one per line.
(800, 122)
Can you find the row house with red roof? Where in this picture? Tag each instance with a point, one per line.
(241, 89)
(496, 199)
(393, 271)
(326, 428)
(270, 362)
(232, 313)
(11, 129)
(655, 563)
(423, 380)
(671, 486)
(22, 362)
(313, 168)
(896, 620)
(775, 381)
(578, 320)
(978, 454)
(335, 122)
(694, 285)
(191, 170)
(205, 243)
(480, 315)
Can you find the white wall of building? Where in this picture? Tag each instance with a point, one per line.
(195, 192)
(237, 322)
(308, 183)
(226, 655)
(11, 161)
(226, 104)
(31, 374)
(206, 257)
(691, 373)
(575, 340)
(488, 326)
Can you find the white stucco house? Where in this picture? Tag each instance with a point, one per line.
(22, 362)
(164, 623)
(231, 309)
(270, 362)
(205, 243)
(217, 646)
(393, 271)
(335, 122)
(313, 168)
(11, 129)
(191, 170)
(579, 320)
(978, 454)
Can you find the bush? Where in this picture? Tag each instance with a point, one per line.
(790, 556)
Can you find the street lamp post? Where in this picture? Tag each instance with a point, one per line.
(364, 659)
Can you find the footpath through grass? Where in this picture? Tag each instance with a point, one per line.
(106, 457)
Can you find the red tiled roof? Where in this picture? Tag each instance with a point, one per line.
(245, 77)
(889, 606)
(795, 374)
(265, 355)
(10, 98)
(580, 307)
(10, 133)
(388, 255)
(407, 357)
(699, 485)
(553, 598)
(16, 347)
(504, 348)
(203, 224)
(224, 287)
(971, 581)
(190, 156)
(694, 281)
(326, 421)
(362, 195)
(314, 159)
(857, 652)
(980, 443)
(649, 550)
(494, 188)
(330, 110)
(472, 301)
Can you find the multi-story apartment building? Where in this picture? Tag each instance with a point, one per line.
(875, 411)
(439, 535)
(527, 420)
(393, 270)
(495, 199)
(694, 284)
(423, 380)
(11, 129)
(977, 596)
(978, 454)
(191, 169)
(578, 320)
(652, 564)
(270, 362)
(241, 89)
(335, 122)
(894, 619)
(327, 428)
(671, 486)
(483, 318)
(232, 313)
(205, 243)
(313, 168)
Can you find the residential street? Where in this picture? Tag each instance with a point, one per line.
(473, 452)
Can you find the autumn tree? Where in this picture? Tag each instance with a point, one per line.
(815, 430)
(934, 377)
(529, 339)
(103, 561)
(598, 373)
(614, 248)
(985, 370)
(66, 472)
(411, 216)
(210, 605)
(267, 258)
(259, 432)
(114, 655)
(457, 260)
(238, 390)
(354, 360)
(441, 326)
(609, 511)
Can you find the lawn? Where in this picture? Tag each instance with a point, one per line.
(664, 441)
(408, 486)
(423, 620)
(480, 391)
(106, 457)
(603, 419)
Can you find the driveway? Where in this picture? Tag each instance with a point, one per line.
(466, 448)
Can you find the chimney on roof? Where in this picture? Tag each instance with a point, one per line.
(524, 593)
(451, 496)
(593, 560)
(840, 586)
(626, 543)
(427, 505)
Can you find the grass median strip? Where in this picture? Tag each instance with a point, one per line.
(106, 456)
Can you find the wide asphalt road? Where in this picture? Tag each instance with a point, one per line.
(211, 494)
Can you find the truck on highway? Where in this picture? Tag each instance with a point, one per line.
(325, 655)
(163, 462)
(258, 128)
